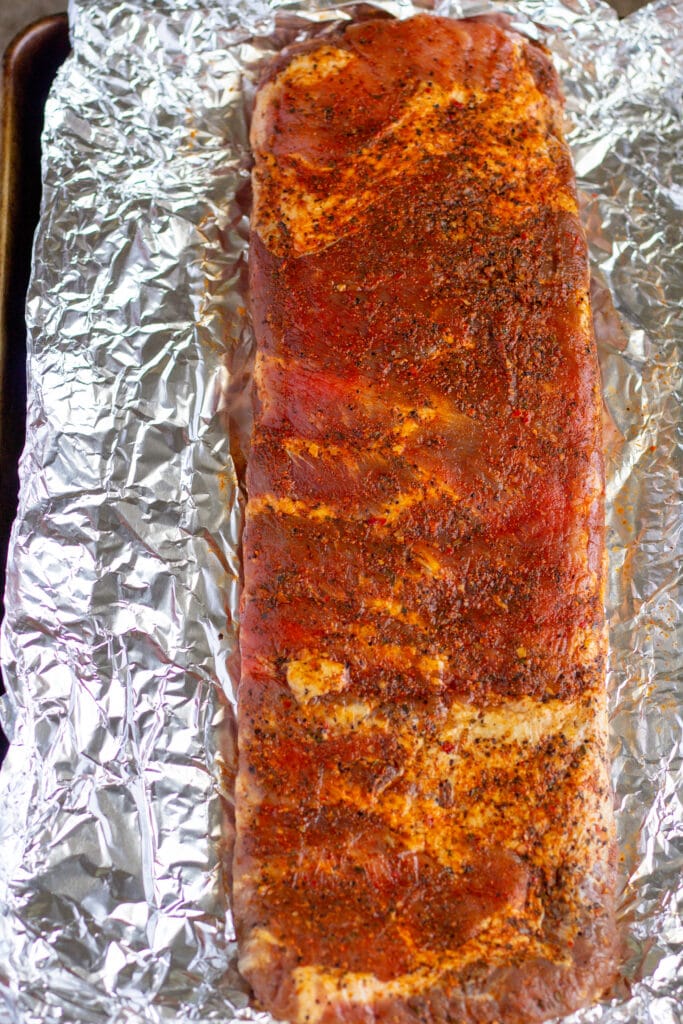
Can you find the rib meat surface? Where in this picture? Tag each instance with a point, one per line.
(424, 820)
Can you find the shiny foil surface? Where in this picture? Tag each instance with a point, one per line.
(119, 644)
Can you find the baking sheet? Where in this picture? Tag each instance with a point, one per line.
(122, 598)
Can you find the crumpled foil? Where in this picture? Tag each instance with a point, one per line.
(122, 598)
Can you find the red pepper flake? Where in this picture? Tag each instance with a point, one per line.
(448, 748)
(522, 414)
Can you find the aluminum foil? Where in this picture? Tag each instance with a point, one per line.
(122, 597)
